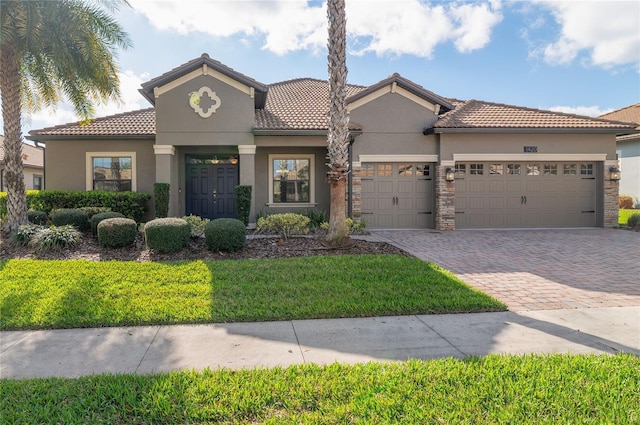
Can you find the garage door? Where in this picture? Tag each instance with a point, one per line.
(397, 195)
(519, 194)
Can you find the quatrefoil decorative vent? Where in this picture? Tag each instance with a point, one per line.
(196, 96)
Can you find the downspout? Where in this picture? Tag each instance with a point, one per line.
(350, 177)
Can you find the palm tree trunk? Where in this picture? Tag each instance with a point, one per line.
(338, 130)
(11, 109)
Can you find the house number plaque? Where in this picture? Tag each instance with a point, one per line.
(530, 149)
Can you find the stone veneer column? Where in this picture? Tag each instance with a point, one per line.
(247, 155)
(611, 193)
(356, 192)
(445, 199)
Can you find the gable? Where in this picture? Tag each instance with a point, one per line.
(393, 88)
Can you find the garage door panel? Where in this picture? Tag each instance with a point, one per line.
(512, 200)
(401, 198)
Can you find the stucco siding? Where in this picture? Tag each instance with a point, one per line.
(66, 167)
(630, 169)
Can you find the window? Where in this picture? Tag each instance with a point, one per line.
(533, 169)
(111, 171)
(291, 179)
(423, 170)
(550, 169)
(496, 169)
(405, 170)
(37, 182)
(385, 170)
(570, 169)
(367, 170)
(476, 169)
(460, 170)
(513, 169)
(586, 169)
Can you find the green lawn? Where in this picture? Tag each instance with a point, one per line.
(533, 389)
(624, 215)
(40, 294)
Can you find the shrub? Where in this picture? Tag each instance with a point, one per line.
(225, 234)
(117, 232)
(634, 221)
(96, 219)
(625, 202)
(91, 211)
(285, 225)
(131, 204)
(24, 233)
(72, 216)
(353, 225)
(161, 199)
(197, 225)
(37, 217)
(243, 203)
(169, 234)
(55, 237)
(316, 218)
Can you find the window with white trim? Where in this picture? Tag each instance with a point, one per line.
(111, 171)
(291, 179)
(37, 182)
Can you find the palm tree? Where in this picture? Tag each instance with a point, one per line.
(50, 50)
(338, 131)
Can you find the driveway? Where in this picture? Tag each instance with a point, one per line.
(535, 269)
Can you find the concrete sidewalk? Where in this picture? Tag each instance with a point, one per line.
(149, 349)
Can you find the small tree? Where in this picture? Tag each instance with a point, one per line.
(161, 199)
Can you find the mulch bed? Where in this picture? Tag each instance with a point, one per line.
(263, 247)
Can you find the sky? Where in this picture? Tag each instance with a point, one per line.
(580, 57)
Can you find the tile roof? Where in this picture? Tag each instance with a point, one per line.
(475, 114)
(300, 104)
(134, 123)
(628, 114)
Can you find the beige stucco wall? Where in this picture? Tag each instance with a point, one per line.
(392, 125)
(65, 162)
(559, 143)
(177, 123)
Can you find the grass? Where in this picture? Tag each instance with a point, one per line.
(532, 389)
(43, 294)
(623, 216)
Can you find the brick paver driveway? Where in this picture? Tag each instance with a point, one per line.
(536, 269)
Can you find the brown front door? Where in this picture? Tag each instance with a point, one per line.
(210, 190)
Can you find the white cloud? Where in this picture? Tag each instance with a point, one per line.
(589, 111)
(384, 26)
(607, 31)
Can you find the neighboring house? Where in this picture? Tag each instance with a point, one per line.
(628, 152)
(33, 163)
(212, 128)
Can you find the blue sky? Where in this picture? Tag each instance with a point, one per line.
(573, 56)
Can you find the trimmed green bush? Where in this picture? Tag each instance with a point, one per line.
(117, 232)
(243, 203)
(72, 216)
(132, 204)
(55, 237)
(634, 221)
(161, 199)
(169, 234)
(285, 225)
(102, 216)
(91, 211)
(316, 218)
(197, 225)
(225, 234)
(37, 217)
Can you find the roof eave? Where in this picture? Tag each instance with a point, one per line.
(546, 130)
(42, 138)
(297, 132)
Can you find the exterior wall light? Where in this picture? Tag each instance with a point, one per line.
(449, 175)
(614, 174)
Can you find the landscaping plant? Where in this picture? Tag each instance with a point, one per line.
(243, 203)
(169, 234)
(70, 216)
(197, 225)
(285, 225)
(117, 232)
(97, 218)
(37, 217)
(55, 237)
(161, 199)
(225, 234)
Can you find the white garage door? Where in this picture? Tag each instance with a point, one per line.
(396, 195)
(524, 194)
